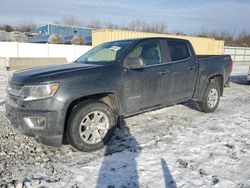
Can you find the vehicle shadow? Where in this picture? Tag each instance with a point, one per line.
(240, 79)
(119, 167)
(169, 181)
(192, 105)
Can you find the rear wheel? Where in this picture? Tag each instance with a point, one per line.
(211, 98)
(90, 126)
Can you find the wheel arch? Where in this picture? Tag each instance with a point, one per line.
(204, 104)
(218, 78)
(109, 98)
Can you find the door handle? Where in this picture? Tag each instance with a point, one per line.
(164, 72)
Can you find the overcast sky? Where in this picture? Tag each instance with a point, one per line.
(179, 15)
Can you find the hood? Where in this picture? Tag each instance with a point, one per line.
(35, 75)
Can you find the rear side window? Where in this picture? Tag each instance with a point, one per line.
(178, 50)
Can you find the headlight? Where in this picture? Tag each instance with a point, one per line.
(36, 92)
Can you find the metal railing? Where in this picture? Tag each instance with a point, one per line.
(238, 54)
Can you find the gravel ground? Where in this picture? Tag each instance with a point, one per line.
(172, 147)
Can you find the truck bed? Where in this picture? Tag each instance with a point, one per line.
(219, 60)
(216, 62)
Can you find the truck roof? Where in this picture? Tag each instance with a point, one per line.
(149, 38)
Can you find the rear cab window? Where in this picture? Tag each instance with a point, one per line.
(178, 50)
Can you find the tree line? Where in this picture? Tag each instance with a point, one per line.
(230, 38)
(135, 25)
(27, 27)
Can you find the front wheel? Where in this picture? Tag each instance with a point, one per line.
(211, 98)
(90, 126)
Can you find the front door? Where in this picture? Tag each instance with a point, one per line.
(142, 86)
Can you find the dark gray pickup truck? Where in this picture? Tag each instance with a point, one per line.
(81, 102)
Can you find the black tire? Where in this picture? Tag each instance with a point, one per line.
(78, 114)
(204, 104)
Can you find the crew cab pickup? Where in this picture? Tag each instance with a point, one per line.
(81, 102)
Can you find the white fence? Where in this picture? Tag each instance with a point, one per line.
(238, 54)
(72, 52)
(15, 49)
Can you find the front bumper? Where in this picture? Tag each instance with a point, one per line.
(52, 131)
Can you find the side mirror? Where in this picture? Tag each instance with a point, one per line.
(133, 63)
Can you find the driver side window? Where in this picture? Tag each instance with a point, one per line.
(149, 52)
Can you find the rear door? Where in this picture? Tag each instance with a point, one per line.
(182, 70)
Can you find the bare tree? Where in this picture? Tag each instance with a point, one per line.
(180, 33)
(110, 25)
(7, 28)
(26, 26)
(243, 39)
(71, 21)
(95, 24)
(137, 25)
(228, 37)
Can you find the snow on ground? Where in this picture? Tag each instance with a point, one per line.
(4, 76)
(172, 147)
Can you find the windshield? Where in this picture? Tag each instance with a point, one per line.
(106, 52)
